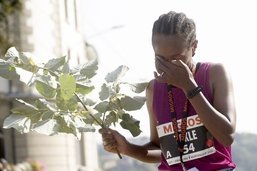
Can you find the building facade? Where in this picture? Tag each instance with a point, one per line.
(47, 29)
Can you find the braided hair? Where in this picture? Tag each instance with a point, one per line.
(173, 23)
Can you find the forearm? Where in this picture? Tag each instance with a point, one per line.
(217, 123)
(149, 152)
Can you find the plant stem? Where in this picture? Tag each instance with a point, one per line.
(101, 124)
(87, 110)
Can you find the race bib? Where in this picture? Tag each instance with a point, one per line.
(193, 169)
(199, 143)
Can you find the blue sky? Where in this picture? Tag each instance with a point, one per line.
(226, 31)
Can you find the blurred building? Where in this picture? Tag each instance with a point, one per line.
(47, 29)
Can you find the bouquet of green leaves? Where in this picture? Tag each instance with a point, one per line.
(64, 104)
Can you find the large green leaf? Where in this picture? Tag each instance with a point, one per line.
(66, 105)
(129, 104)
(105, 92)
(27, 63)
(29, 111)
(43, 104)
(45, 90)
(24, 111)
(67, 86)
(21, 59)
(115, 104)
(138, 87)
(8, 71)
(46, 115)
(25, 76)
(82, 126)
(36, 117)
(102, 107)
(76, 69)
(117, 74)
(56, 63)
(46, 85)
(111, 118)
(48, 80)
(18, 122)
(12, 55)
(131, 124)
(47, 127)
(24, 58)
(66, 68)
(81, 78)
(46, 108)
(89, 69)
(67, 125)
(27, 105)
(84, 88)
(88, 101)
(89, 119)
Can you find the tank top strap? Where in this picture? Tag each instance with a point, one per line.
(202, 78)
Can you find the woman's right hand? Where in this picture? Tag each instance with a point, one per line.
(113, 141)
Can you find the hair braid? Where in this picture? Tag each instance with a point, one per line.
(178, 24)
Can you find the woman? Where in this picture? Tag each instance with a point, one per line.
(191, 105)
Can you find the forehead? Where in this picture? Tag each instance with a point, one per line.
(168, 44)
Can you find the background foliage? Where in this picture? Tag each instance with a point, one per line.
(7, 8)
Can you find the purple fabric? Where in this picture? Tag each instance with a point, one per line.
(222, 157)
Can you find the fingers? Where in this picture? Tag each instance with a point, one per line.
(161, 73)
(160, 77)
(178, 63)
(105, 131)
(107, 136)
(110, 146)
(109, 140)
(166, 66)
(161, 65)
(164, 69)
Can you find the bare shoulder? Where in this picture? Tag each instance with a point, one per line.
(152, 117)
(149, 89)
(219, 74)
(222, 87)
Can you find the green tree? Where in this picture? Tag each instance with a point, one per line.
(7, 8)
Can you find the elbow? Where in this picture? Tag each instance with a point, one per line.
(228, 140)
(229, 137)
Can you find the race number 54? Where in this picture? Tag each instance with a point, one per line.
(189, 148)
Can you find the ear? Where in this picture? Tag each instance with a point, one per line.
(194, 46)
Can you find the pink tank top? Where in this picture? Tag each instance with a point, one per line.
(201, 149)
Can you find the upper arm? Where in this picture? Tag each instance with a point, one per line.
(152, 117)
(223, 93)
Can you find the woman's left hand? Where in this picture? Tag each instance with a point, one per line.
(174, 72)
